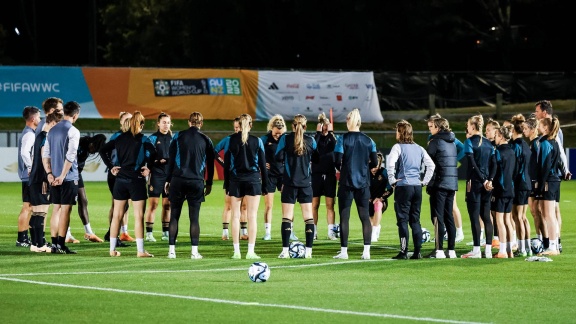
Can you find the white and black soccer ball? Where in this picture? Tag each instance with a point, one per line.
(425, 235)
(536, 245)
(297, 250)
(259, 272)
(336, 230)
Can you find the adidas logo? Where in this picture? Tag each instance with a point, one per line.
(273, 86)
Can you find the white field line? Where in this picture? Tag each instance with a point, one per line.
(235, 302)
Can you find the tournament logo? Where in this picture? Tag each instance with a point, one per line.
(161, 88)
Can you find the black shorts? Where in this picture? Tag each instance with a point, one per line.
(521, 197)
(25, 191)
(37, 196)
(551, 191)
(292, 194)
(273, 184)
(111, 179)
(134, 189)
(360, 196)
(501, 205)
(324, 185)
(185, 189)
(240, 189)
(64, 194)
(156, 186)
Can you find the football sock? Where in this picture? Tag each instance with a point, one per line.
(113, 241)
(140, 245)
(195, 249)
(250, 248)
(149, 227)
(88, 229)
(171, 248)
(267, 227)
(236, 247)
(366, 249)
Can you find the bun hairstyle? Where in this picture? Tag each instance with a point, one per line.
(245, 125)
(299, 125)
(322, 118)
(517, 121)
(505, 131)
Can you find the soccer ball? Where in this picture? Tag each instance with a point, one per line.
(259, 272)
(425, 235)
(297, 250)
(336, 230)
(536, 245)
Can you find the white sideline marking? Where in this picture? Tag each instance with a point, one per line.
(235, 302)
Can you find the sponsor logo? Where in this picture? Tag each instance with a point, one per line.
(352, 86)
(273, 86)
(288, 98)
(293, 86)
(333, 86)
(370, 86)
(313, 86)
(324, 98)
(352, 97)
(339, 97)
(309, 97)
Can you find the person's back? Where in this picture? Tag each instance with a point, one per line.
(194, 152)
(244, 157)
(356, 148)
(61, 148)
(444, 153)
(297, 171)
(505, 174)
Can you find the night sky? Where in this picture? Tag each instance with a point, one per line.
(66, 33)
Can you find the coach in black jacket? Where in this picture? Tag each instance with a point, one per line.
(444, 183)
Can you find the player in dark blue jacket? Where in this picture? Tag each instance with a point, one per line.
(191, 160)
(245, 176)
(134, 152)
(522, 186)
(547, 187)
(503, 169)
(355, 155)
(324, 180)
(296, 150)
(478, 150)
(161, 140)
(276, 127)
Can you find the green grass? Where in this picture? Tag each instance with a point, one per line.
(93, 287)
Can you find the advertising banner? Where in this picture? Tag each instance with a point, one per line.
(311, 93)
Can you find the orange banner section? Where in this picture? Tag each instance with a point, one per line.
(217, 94)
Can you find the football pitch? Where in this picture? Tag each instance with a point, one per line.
(93, 287)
